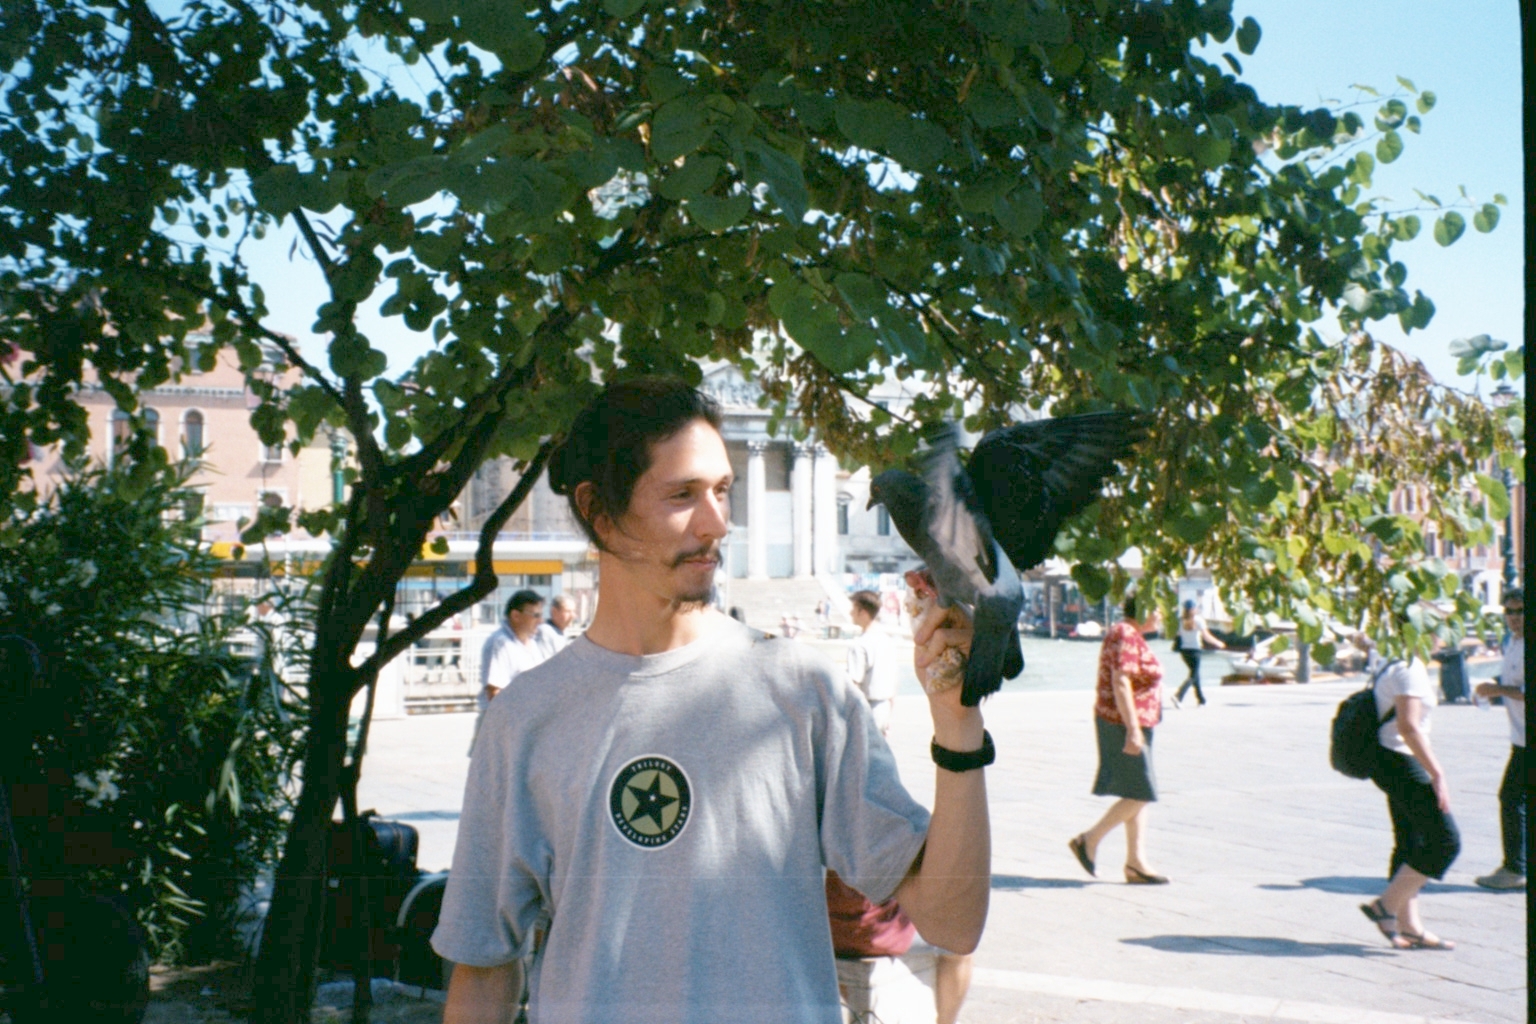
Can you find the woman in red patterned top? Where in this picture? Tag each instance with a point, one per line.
(1129, 704)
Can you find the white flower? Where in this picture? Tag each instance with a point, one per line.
(85, 572)
(102, 789)
(52, 610)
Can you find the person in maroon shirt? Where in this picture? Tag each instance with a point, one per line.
(863, 929)
(1128, 705)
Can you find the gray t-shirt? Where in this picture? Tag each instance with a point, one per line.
(665, 819)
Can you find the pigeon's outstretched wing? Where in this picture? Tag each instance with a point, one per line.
(955, 522)
(968, 564)
(1031, 477)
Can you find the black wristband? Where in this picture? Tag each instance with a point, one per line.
(964, 760)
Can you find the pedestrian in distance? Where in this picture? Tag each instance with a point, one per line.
(1193, 637)
(1127, 706)
(1510, 687)
(510, 651)
(1424, 836)
(872, 659)
(560, 630)
(651, 812)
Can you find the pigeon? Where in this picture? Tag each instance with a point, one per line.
(978, 527)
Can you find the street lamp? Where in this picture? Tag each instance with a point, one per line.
(1503, 397)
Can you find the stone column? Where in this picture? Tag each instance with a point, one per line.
(824, 527)
(757, 511)
(800, 487)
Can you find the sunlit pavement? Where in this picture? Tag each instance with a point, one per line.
(1270, 852)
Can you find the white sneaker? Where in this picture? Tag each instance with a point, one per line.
(1502, 879)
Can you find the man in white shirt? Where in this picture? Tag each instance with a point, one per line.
(1511, 686)
(557, 632)
(871, 661)
(511, 650)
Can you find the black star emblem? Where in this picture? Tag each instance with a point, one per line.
(651, 802)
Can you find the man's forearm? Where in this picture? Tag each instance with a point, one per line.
(947, 895)
(483, 995)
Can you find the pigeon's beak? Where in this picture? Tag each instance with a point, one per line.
(874, 499)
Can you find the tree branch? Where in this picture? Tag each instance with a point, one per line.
(484, 580)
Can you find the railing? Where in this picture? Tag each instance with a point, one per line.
(442, 674)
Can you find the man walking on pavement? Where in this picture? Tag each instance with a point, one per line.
(510, 651)
(648, 817)
(556, 633)
(872, 658)
(1511, 687)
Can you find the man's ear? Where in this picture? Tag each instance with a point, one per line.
(586, 497)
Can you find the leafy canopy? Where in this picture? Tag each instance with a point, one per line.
(1015, 204)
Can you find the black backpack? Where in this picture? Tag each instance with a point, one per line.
(1353, 747)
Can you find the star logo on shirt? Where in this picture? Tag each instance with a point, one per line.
(649, 801)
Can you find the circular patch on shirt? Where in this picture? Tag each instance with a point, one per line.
(649, 801)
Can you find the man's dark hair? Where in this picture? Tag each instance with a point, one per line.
(610, 442)
(520, 600)
(1513, 595)
(867, 600)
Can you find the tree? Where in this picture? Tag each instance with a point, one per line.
(1021, 203)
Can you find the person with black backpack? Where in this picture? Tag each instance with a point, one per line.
(1424, 836)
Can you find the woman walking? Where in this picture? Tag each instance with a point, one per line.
(1424, 836)
(1128, 705)
(1193, 637)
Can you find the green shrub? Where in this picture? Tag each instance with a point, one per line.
(150, 759)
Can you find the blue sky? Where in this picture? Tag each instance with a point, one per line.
(1311, 52)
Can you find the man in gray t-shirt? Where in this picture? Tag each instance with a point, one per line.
(649, 813)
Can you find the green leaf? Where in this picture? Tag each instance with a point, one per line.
(1449, 228)
(783, 176)
(1486, 219)
(716, 213)
(1406, 228)
(1212, 151)
(663, 83)
(814, 327)
(679, 128)
(692, 179)
(1498, 494)
(1361, 167)
(622, 8)
(1425, 102)
(1021, 212)
(918, 144)
(1407, 84)
(1248, 35)
(1091, 580)
(865, 296)
(1389, 147)
(869, 125)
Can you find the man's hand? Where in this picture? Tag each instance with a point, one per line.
(944, 635)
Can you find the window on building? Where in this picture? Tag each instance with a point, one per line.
(122, 433)
(192, 434)
(152, 425)
(271, 453)
(842, 516)
(882, 521)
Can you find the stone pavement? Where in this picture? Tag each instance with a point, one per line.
(1270, 852)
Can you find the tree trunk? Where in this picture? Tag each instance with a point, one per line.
(290, 942)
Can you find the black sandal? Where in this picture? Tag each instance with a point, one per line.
(1079, 848)
(1385, 923)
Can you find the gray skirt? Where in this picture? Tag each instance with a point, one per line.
(1120, 774)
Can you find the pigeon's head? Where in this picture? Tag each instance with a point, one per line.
(900, 492)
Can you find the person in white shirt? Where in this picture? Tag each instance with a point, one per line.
(557, 632)
(1425, 839)
(1511, 686)
(871, 661)
(511, 650)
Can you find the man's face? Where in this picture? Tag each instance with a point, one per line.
(525, 621)
(678, 515)
(1514, 618)
(561, 615)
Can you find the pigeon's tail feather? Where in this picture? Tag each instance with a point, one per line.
(993, 645)
(1013, 656)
